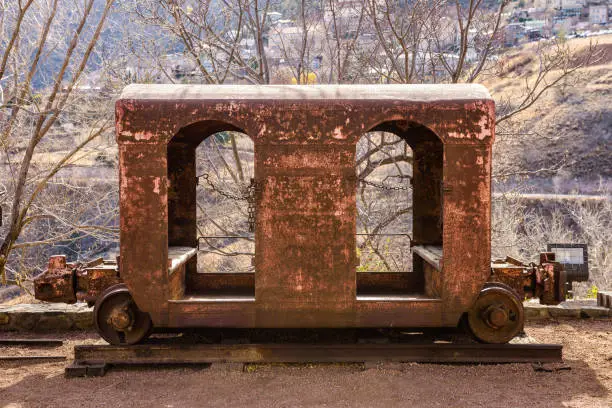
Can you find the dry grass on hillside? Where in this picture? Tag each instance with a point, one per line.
(569, 125)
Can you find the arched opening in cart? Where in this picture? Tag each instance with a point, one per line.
(384, 203)
(211, 212)
(399, 166)
(226, 203)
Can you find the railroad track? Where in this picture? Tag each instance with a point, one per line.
(32, 358)
(93, 360)
(33, 345)
(31, 342)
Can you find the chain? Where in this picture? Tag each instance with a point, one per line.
(383, 186)
(225, 194)
(252, 209)
(248, 196)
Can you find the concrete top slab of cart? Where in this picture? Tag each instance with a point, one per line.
(397, 92)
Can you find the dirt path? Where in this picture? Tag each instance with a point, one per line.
(588, 351)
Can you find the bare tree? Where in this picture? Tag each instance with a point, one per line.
(225, 166)
(343, 42)
(213, 38)
(28, 118)
(404, 33)
(295, 43)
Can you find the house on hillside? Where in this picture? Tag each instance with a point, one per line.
(598, 13)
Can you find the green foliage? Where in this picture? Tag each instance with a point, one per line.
(561, 35)
(592, 292)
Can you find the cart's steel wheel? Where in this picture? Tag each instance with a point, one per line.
(503, 285)
(497, 315)
(118, 319)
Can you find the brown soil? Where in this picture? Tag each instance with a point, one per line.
(587, 351)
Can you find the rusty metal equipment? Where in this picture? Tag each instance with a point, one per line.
(497, 315)
(118, 319)
(304, 198)
(72, 282)
(546, 280)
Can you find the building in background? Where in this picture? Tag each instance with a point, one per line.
(598, 13)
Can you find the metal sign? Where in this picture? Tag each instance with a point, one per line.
(574, 258)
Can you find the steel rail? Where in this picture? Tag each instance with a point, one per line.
(31, 342)
(32, 358)
(157, 354)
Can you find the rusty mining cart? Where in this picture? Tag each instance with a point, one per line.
(305, 203)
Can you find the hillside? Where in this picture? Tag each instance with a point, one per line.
(568, 129)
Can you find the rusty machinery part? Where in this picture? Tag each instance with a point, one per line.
(503, 285)
(546, 280)
(58, 282)
(118, 319)
(71, 282)
(497, 315)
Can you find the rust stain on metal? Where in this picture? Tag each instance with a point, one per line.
(546, 281)
(57, 283)
(68, 282)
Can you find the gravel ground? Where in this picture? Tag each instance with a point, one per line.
(587, 351)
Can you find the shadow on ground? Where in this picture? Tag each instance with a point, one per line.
(307, 385)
